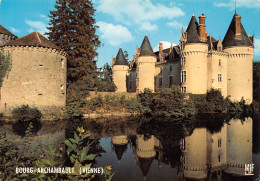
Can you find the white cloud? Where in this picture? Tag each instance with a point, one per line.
(257, 47)
(240, 3)
(114, 34)
(147, 26)
(176, 25)
(14, 30)
(166, 45)
(44, 17)
(136, 12)
(37, 26)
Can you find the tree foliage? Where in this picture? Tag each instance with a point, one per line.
(5, 66)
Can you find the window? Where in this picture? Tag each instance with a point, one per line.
(62, 63)
(183, 89)
(183, 60)
(219, 62)
(171, 81)
(40, 65)
(219, 158)
(170, 68)
(183, 76)
(219, 143)
(219, 77)
(160, 82)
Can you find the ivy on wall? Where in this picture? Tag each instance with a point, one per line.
(5, 66)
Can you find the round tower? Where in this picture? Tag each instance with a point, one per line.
(6, 36)
(145, 152)
(240, 61)
(145, 71)
(37, 75)
(194, 159)
(194, 58)
(119, 144)
(239, 145)
(120, 70)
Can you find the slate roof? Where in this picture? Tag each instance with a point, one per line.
(192, 31)
(145, 164)
(175, 51)
(146, 49)
(230, 39)
(212, 42)
(5, 31)
(33, 39)
(119, 150)
(120, 58)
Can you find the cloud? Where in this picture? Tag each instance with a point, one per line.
(14, 30)
(176, 25)
(166, 45)
(257, 47)
(37, 26)
(46, 18)
(135, 12)
(114, 34)
(240, 3)
(147, 26)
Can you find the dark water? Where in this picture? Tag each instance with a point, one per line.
(206, 148)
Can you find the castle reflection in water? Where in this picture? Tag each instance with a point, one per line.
(203, 154)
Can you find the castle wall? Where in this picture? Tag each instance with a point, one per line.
(167, 71)
(195, 68)
(145, 73)
(37, 78)
(132, 81)
(240, 73)
(145, 147)
(239, 145)
(217, 71)
(119, 77)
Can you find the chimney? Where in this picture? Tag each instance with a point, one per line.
(202, 28)
(134, 57)
(160, 48)
(238, 26)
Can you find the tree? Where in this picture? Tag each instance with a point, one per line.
(105, 82)
(72, 28)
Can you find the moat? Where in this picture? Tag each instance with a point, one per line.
(209, 147)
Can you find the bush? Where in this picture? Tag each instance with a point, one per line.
(26, 114)
(146, 100)
(133, 105)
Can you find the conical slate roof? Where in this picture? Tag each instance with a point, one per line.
(192, 31)
(120, 58)
(230, 39)
(5, 31)
(120, 149)
(146, 48)
(145, 164)
(34, 39)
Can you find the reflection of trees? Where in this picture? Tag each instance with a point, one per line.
(20, 127)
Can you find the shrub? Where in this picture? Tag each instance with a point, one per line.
(26, 114)
(133, 105)
(146, 100)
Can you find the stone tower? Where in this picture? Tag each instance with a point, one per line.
(194, 51)
(239, 145)
(6, 36)
(120, 70)
(38, 74)
(145, 71)
(240, 61)
(119, 144)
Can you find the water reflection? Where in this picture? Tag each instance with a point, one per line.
(199, 152)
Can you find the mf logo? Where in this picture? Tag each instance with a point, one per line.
(249, 169)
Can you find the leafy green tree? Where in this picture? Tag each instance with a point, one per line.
(73, 29)
(5, 66)
(105, 82)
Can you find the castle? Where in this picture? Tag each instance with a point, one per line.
(198, 64)
(38, 73)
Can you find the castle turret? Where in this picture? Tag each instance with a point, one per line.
(119, 144)
(240, 61)
(239, 145)
(37, 76)
(6, 36)
(194, 59)
(120, 69)
(145, 67)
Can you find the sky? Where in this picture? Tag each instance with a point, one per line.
(124, 23)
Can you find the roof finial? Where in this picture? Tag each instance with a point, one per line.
(193, 13)
(235, 6)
